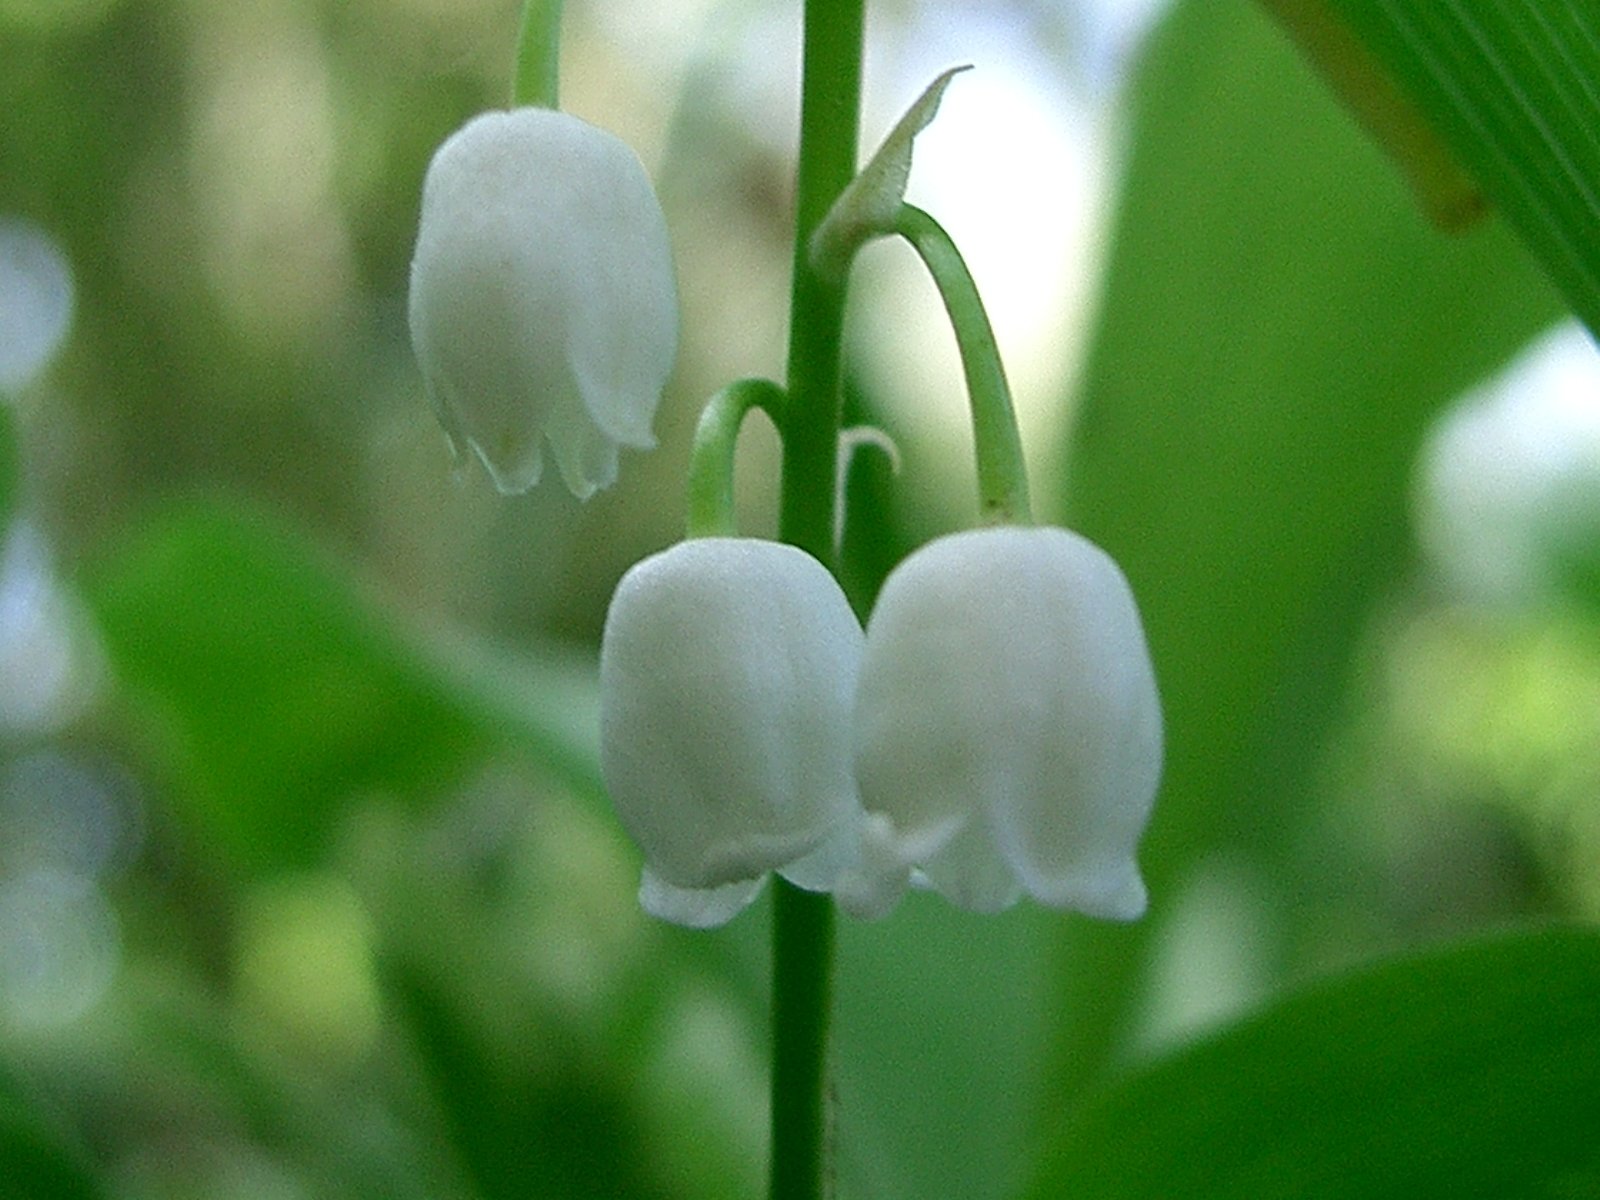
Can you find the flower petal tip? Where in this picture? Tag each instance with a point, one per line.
(1115, 895)
(696, 908)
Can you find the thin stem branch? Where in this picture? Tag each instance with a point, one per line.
(1002, 469)
(711, 508)
(803, 922)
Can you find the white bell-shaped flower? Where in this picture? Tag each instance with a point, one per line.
(542, 296)
(727, 674)
(1008, 733)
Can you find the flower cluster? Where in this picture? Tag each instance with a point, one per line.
(996, 731)
(993, 732)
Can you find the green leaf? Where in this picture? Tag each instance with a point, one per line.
(541, 1126)
(173, 1048)
(281, 693)
(1515, 91)
(35, 1168)
(36, 1161)
(941, 1015)
(1450, 196)
(1466, 1072)
(1279, 325)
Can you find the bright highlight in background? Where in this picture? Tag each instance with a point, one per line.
(1510, 480)
(35, 300)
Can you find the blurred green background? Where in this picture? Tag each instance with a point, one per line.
(308, 887)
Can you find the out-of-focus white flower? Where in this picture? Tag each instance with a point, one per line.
(542, 296)
(35, 300)
(1508, 502)
(1008, 733)
(727, 674)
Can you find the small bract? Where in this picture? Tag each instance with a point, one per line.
(1008, 733)
(727, 672)
(542, 296)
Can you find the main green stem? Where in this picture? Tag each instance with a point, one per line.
(803, 922)
(829, 123)
(535, 80)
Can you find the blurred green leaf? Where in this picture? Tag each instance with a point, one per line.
(1472, 1071)
(8, 464)
(546, 700)
(1515, 91)
(36, 1162)
(283, 693)
(534, 1123)
(941, 1015)
(1278, 327)
(36, 1168)
(175, 1051)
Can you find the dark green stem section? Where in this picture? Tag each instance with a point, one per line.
(802, 1014)
(8, 466)
(802, 925)
(711, 508)
(1002, 470)
(536, 79)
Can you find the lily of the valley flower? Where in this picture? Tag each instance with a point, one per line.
(1008, 733)
(727, 672)
(542, 297)
(996, 733)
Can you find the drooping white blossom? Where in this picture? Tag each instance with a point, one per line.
(727, 673)
(542, 302)
(1008, 734)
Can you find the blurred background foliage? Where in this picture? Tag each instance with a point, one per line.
(308, 887)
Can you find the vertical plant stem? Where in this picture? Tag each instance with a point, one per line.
(803, 922)
(829, 122)
(802, 1013)
(536, 77)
